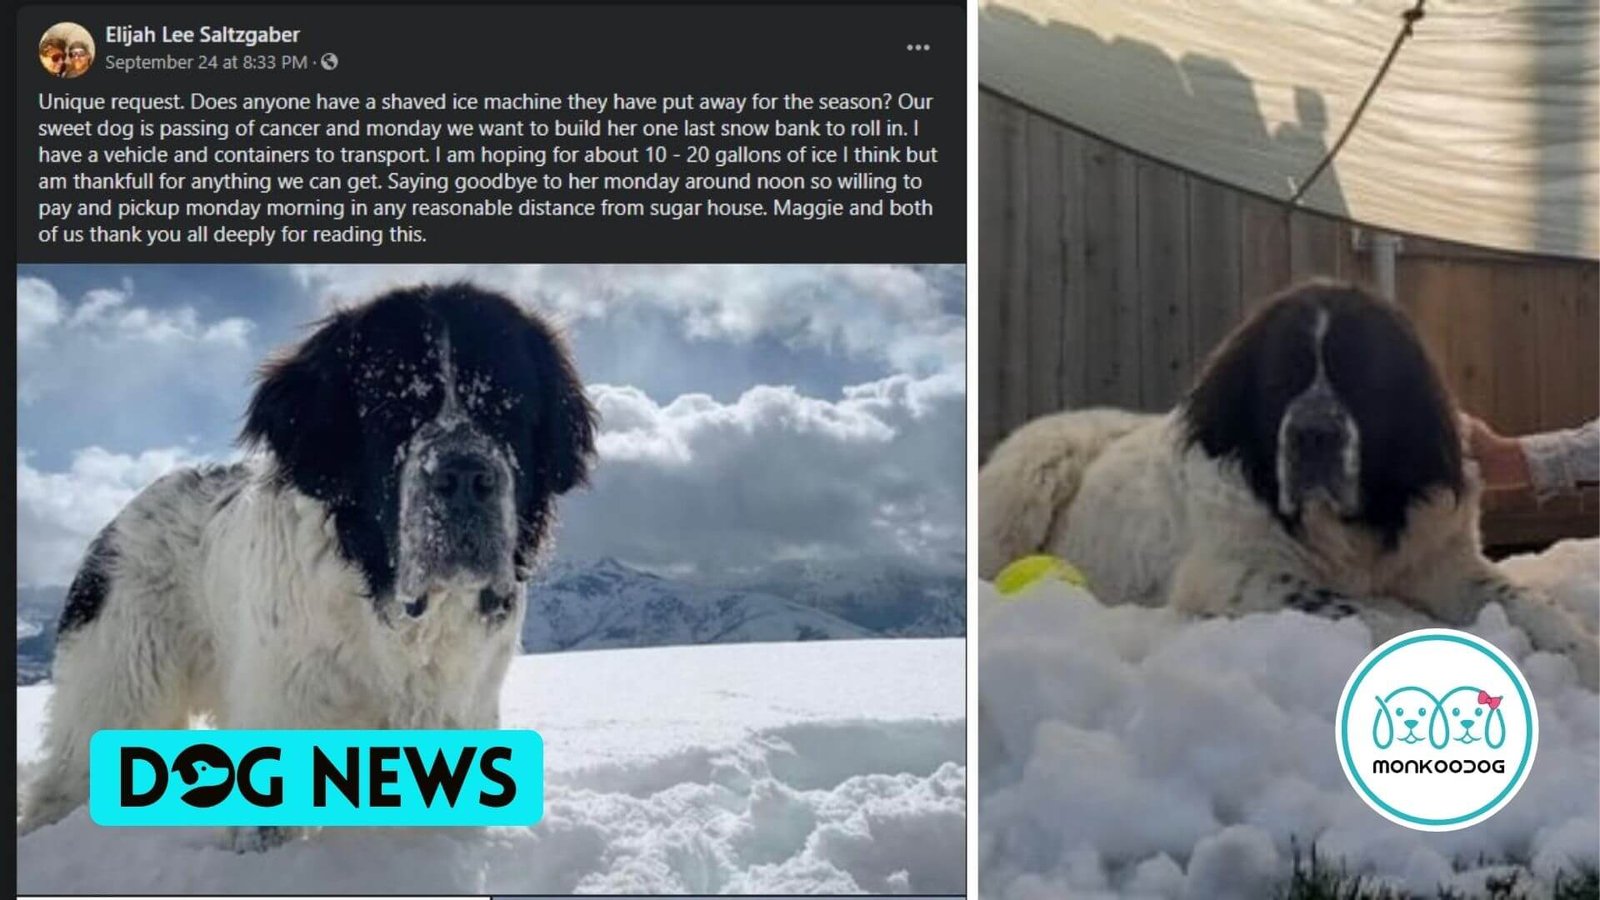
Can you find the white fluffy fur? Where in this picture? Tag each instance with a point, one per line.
(243, 610)
(1151, 521)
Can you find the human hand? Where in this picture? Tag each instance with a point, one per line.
(1501, 462)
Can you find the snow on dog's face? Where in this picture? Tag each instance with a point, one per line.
(438, 425)
(1325, 396)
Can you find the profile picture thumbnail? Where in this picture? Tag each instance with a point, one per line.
(66, 50)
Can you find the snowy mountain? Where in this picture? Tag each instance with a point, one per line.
(884, 596)
(607, 604)
(37, 612)
(832, 767)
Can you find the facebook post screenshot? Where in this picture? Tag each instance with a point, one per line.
(504, 449)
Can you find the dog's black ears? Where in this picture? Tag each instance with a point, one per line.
(566, 426)
(304, 413)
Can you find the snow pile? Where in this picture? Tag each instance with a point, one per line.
(1128, 752)
(765, 768)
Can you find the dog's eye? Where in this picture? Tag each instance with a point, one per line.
(1478, 711)
(1456, 712)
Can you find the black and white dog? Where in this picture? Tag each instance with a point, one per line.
(1316, 464)
(364, 570)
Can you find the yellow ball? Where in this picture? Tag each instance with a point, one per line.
(1031, 570)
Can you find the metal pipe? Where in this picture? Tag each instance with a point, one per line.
(1384, 248)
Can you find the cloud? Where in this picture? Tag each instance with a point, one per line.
(704, 471)
(107, 370)
(38, 309)
(689, 485)
(687, 429)
(58, 513)
(697, 472)
(697, 484)
(45, 318)
(908, 317)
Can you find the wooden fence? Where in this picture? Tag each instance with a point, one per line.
(1105, 278)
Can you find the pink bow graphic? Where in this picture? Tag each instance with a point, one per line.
(1485, 700)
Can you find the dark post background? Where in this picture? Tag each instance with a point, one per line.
(594, 48)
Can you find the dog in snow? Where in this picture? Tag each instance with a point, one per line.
(1316, 464)
(364, 569)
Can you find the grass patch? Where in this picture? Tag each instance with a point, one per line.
(1581, 885)
(1313, 877)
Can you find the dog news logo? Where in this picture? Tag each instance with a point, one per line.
(1437, 730)
(310, 777)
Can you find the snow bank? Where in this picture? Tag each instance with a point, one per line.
(772, 768)
(1127, 752)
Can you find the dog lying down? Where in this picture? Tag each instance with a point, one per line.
(1316, 464)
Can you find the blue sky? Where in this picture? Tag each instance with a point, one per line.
(749, 413)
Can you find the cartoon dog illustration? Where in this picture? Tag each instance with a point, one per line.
(1466, 708)
(1411, 706)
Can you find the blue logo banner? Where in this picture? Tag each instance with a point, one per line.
(313, 777)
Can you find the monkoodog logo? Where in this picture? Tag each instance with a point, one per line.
(1437, 730)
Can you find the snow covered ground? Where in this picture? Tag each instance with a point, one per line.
(822, 767)
(1128, 753)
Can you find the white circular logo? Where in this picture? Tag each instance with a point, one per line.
(1436, 730)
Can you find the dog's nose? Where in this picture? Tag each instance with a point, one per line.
(465, 479)
(1317, 435)
(1411, 723)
